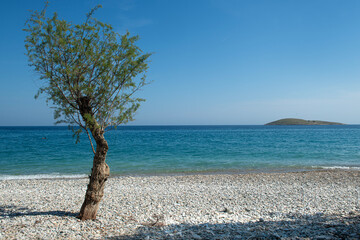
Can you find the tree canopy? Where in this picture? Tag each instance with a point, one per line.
(86, 61)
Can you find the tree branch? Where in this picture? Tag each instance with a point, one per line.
(117, 89)
(92, 146)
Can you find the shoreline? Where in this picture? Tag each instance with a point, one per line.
(226, 206)
(57, 176)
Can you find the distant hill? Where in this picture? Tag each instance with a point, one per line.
(296, 121)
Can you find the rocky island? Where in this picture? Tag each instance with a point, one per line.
(296, 121)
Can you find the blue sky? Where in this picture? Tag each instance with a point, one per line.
(214, 62)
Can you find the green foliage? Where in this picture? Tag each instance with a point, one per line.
(86, 60)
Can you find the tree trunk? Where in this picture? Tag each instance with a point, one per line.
(100, 171)
(95, 190)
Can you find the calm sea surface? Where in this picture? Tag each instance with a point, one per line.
(36, 152)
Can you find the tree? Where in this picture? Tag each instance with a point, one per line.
(89, 75)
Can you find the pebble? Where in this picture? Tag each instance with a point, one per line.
(300, 205)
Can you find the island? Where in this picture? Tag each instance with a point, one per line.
(296, 121)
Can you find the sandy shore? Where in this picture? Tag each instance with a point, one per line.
(303, 205)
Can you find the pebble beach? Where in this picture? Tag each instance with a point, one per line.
(294, 205)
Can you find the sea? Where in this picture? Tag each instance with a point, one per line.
(51, 152)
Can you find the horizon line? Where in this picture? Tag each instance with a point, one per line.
(172, 125)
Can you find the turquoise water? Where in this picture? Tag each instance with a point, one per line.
(35, 152)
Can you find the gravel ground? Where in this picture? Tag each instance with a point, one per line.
(302, 205)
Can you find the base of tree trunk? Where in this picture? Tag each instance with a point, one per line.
(94, 192)
(88, 211)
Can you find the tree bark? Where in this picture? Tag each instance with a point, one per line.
(100, 170)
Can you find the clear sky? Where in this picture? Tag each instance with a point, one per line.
(214, 62)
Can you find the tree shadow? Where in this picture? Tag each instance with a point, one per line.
(296, 226)
(10, 211)
(292, 226)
